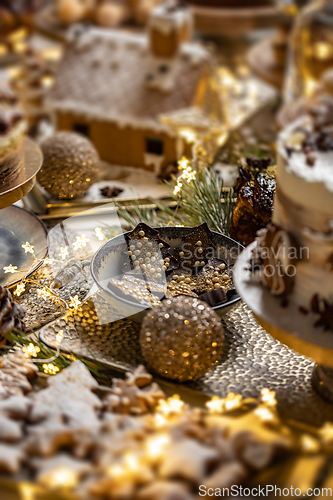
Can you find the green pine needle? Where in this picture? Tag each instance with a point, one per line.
(201, 200)
(16, 338)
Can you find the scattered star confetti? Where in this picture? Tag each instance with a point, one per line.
(81, 241)
(10, 269)
(99, 234)
(74, 302)
(50, 368)
(19, 289)
(64, 252)
(326, 433)
(44, 293)
(59, 337)
(31, 350)
(230, 403)
(171, 405)
(28, 248)
(48, 261)
(268, 397)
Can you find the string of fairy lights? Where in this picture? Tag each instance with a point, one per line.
(261, 411)
(46, 293)
(187, 174)
(155, 445)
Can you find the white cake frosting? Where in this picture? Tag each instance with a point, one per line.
(311, 186)
(304, 208)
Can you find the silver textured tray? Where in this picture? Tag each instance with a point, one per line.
(252, 359)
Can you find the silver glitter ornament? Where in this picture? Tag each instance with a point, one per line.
(69, 166)
(182, 338)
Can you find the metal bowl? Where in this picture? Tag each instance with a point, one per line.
(108, 263)
(18, 226)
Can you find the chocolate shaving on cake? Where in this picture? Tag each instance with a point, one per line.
(325, 310)
(321, 137)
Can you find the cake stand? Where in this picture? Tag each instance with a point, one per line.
(33, 159)
(235, 21)
(288, 324)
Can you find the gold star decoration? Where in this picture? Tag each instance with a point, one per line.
(74, 302)
(266, 415)
(48, 261)
(81, 241)
(64, 252)
(19, 289)
(28, 248)
(31, 350)
(44, 293)
(10, 269)
(50, 368)
(171, 406)
(309, 444)
(326, 433)
(220, 405)
(99, 234)
(188, 174)
(268, 397)
(59, 337)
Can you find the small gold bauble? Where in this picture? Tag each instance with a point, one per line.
(69, 166)
(181, 338)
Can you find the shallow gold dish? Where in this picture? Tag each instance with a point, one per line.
(33, 159)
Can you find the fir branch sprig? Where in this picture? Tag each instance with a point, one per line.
(203, 199)
(17, 338)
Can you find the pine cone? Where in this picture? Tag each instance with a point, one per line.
(11, 314)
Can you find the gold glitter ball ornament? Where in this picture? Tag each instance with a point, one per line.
(182, 338)
(69, 166)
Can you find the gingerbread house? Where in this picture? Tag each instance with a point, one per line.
(113, 86)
